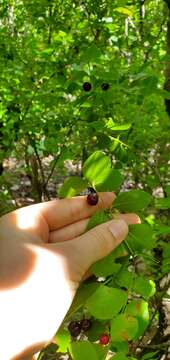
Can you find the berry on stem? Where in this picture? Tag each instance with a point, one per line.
(87, 86)
(92, 197)
(104, 339)
(75, 328)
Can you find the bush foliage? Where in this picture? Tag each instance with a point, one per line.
(83, 81)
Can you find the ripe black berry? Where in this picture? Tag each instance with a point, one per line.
(104, 339)
(75, 328)
(92, 198)
(86, 324)
(87, 86)
(105, 86)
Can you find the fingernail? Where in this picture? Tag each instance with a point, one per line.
(119, 229)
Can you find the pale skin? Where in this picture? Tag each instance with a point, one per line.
(45, 254)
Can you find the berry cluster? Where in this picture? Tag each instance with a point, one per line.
(87, 86)
(75, 327)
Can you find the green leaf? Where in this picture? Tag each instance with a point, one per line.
(163, 230)
(162, 203)
(166, 251)
(119, 356)
(83, 350)
(149, 356)
(139, 309)
(123, 328)
(110, 124)
(72, 186)
(164, 93)
(133, 200)
(120, 252)
(97, 170)
(105, 266)
(98, 218)
(144, 287)
(165, 268)
(125, 278)
(120, 347)
(92, 53)
(62, 338)
(166, 259)
(140, 237)
(82, 294)
(47, 52)
(96, 330)
(109, 181)
(95, 167)
(106, 302)
(101, 351)
(124, 11)
(167, 187)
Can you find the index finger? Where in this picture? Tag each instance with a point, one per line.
(62, 212)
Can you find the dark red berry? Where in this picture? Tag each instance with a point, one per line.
(92, 198)
(104, 339)
(87, 86)
(86, 324)
(105, 86)
(75, 328)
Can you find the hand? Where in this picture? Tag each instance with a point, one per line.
(44, 254)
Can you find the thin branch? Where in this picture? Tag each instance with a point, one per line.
(52, 169)
(164, 345)
(41, 170)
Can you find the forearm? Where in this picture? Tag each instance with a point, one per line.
(23, 309)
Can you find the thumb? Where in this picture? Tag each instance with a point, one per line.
(100, 241)
(93, 245)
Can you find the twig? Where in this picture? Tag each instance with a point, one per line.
(41, 170)
(52, 169)
(164, 345)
